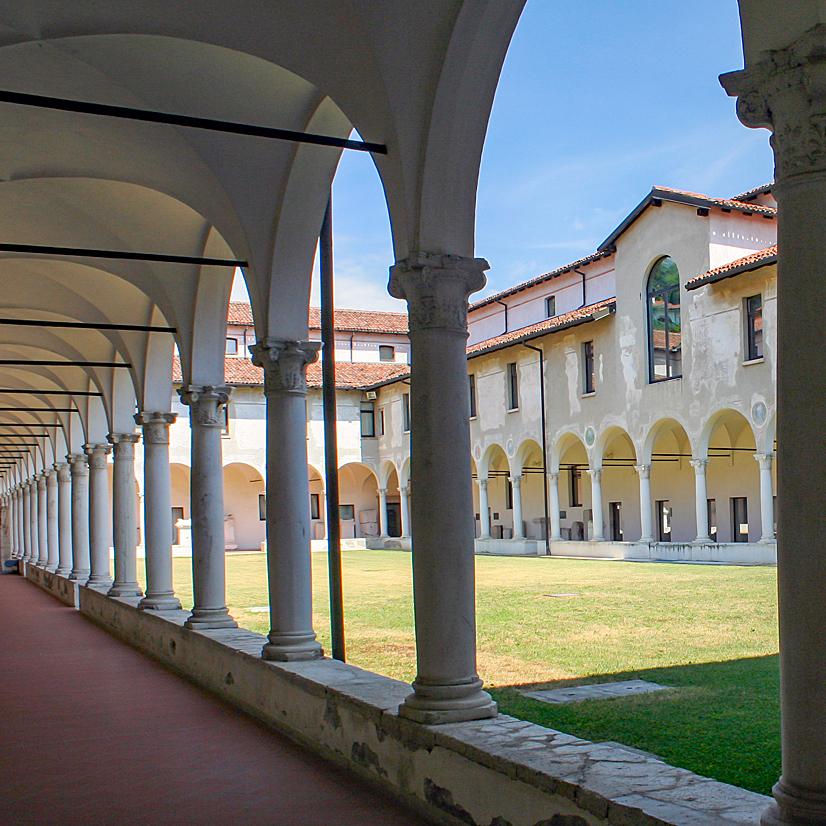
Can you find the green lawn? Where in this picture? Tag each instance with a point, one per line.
(709, 631)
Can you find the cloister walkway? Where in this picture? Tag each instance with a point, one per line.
(94, 733)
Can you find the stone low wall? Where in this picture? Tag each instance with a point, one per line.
(501, 772)
(732, 553)
(511, 547)
(58, 586)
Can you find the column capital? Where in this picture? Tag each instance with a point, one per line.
(786, 93)
(41, 479)
(51, 479)
(78, 463)
(155, 426)
(483, 483)
(436, 288)
(285, 364)
(382, 491)
(516, 481)
(554, 477)
(595, 474)
(96, 455)
(699, 465)
(204, 403)
(63, 471)
(765, 460)
(643, 470)
(403, 489)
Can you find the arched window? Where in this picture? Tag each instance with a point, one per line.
(664, 332)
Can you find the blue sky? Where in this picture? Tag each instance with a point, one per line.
(599, 100)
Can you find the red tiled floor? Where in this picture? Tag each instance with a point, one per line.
(93, 733)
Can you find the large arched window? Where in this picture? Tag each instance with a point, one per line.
(664, 332)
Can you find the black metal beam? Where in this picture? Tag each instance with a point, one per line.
(147, 116)
(51, 392)
(85, 325)
(121, 255)
(30, 363)
(38, 410)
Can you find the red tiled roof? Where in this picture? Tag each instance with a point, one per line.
(761, 258)
(725, 203)
(753, 193)
(241, 372)
(346, 321)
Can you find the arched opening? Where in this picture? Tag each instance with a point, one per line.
(244, 508)
(620, 486)
(318, 511)
(500, 493)
(672, 483)
(574, 492)
(664, 327)
(359, 501)
(394, 508)
(181, 531)
(529, 466)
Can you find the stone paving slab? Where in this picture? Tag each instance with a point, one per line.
(598, 691)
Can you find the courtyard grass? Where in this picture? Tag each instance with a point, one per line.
(708, 631)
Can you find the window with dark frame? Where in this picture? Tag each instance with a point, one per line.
(550, 306)
(508, 495)
(664, 325)
(712, 518)
(381, 421)
(406, 412)
(513, 387)
(739, 519)
(754, 327)
(315, 506)
(615, 520)
(224, 414)
(663, 520)
(588, 367)
(576, 486)
(231, 347)
(387, 352)
(472, 387)
(262, 507)
(368, 419)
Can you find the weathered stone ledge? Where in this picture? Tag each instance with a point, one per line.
(501, 772)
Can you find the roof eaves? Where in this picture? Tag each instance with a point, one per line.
(713, 277)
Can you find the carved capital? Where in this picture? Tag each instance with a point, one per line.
(516, 481)
(699, 466)
(51, 479)
(96, 455)
(643, 470)
(63, 471)
(284, 364)
(786, 93)
(596, 475)
(436, 288)
(155, 426)
(764, 460)
(124, 445)
(78, 464)
(483, 483)
(41, 480)
(205, 403)
(553, 478)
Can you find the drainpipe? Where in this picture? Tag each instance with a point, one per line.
(584, 302)
(506, 312)
(352, 336)
(544, 446)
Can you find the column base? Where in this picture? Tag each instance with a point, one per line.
(288, 648)
(63, 571)
(703, 540)
(203, 619)
(79, 576)
(125, 589)
(767, 540)
(99, 581)
(435, 705)
(794, 806)
(646, 540)
(160, 602)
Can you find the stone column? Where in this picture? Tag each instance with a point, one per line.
(157, 504)
(51, 521)
(766, 497)
(291, 634)
(701, 500)
(207, 506)
(80, 517)
(27, 521)
(11, 498)
(447, 687)
(42, 519)
(20, 521)
(787, 93)
(403, 491)
(646, 523)
(516, 487)
(124, 516)
(64, 518)
(484, 509)
(99, 516)
(596, 504)
(383, 512)
(553, 507)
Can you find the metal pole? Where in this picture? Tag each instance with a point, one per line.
(328, 373)
(544, 446)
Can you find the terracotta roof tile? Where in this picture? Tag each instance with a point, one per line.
(761, 258)
(241, 372)
(346, 321)
(753, 193)
(725, 203)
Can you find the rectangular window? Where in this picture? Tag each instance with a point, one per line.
(381, 421)
(232, 347)
(664, 520)
(550, 306)
(315, 506)
(754, 327)
(406, 412)
(513, 387)
(224, 414)
(368, 419)
(739, 519)
(387, 353)
(262, 507)
(712, 519)
(588, 367)
(615, 520)
(472, 385)
(347, 513)
(508, 495)
(576, 486)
